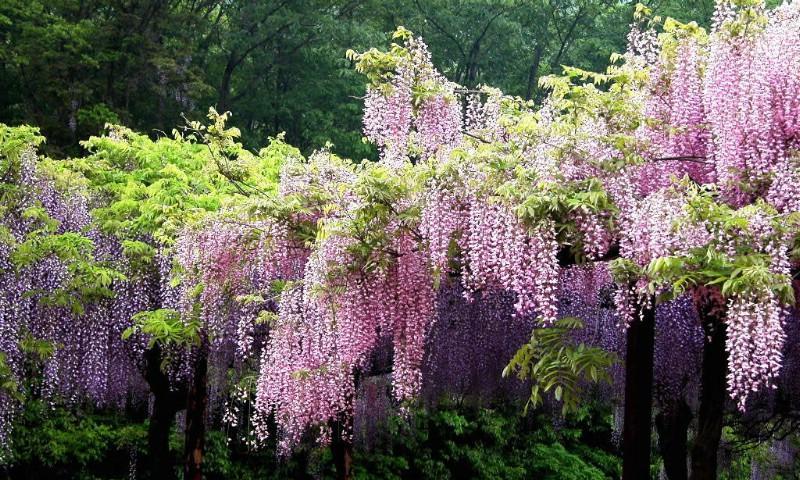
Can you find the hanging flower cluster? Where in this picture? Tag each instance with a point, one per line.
(58, 319)
(234, 264)
(501, 254)
(329, 326)
(750, 93)
(676, 117)
(417, 111)
(754, 361)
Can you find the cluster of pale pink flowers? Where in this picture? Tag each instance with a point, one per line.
(438, 125)
(750, 94)
(754, 343)
(676, 126)
(483, 117)
(596, 235)
(443, 218)
(302, 380)
(501, 253)
(329, 326)
(651, 228)
(414, 315)
(226, 266)
(643, 45)
(756, 320)
(387, 118)
(393, 121)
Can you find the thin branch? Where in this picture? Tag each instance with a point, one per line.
(476, 137)
(442, 29)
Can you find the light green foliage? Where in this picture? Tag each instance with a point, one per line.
(165, 326)
(625, 271)
(152, 189)
(139, 254)
(147, 187)
(379, 67)
(750, 19)
(37, 350)
(748, 270)
(381, 191)
(538, 202)
(14, 141)
(585, 98)
(555, 365)
(88, 280)
(248, 174)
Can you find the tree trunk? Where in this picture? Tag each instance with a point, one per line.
(164, 409)
(672, 425)
(224, 91)
(711, 310)
(196, 410)
(533, 73)
(638, 396)
(342, 451)
(158, 438)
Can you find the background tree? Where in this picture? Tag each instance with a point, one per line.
(70, 66)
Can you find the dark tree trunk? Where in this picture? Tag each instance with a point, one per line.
(342, 451)
(638, 397)
(224, 91)
(158, 438)
(533, 72)
(165, 406)
(672, 425)
(711, 310)
(472, 66)
(196, 410)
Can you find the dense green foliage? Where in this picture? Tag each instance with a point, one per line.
(449, 442)
(71, 66)
(461, 442)
(58, 444)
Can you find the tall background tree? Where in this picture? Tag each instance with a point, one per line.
(70, 66)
